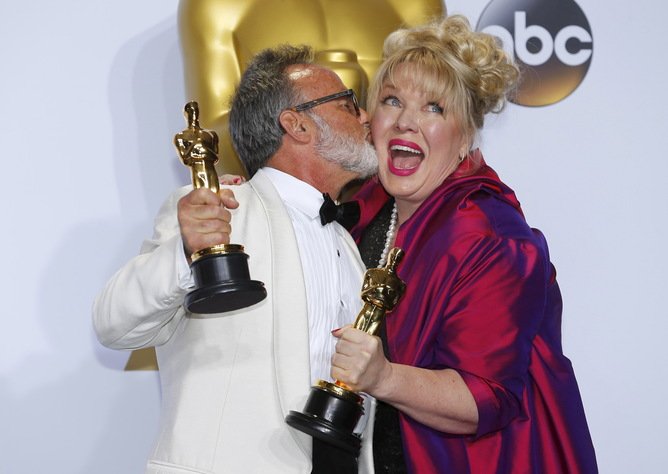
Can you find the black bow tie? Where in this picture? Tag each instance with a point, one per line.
(347, 214)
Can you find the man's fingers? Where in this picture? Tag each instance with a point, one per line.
(204, 220)
(201, 196)
(228, 199)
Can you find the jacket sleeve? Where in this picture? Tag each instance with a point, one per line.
(499, 306)
(142, 304)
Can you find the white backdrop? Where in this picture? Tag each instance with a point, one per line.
(92, 95)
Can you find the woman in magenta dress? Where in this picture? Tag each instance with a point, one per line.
(469, 372)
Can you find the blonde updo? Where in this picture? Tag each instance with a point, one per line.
(466, 71)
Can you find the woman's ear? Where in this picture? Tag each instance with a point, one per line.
(467, 143)
(293, 124)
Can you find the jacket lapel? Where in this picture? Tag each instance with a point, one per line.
(288, 300)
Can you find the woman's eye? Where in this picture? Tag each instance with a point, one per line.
(392, 101)
(435, 108)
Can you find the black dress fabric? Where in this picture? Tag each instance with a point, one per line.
(328, 459)
(388, 452)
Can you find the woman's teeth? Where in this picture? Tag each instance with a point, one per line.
(404, 157)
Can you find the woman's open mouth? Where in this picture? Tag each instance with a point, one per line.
(404, 157)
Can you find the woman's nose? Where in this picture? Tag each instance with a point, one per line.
(406, 121)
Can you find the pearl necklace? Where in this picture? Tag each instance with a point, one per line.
(389, 237)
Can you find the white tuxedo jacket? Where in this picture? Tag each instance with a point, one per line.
(228, 381)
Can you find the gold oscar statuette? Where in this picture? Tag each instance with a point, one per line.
(222, 278)
(332, 410)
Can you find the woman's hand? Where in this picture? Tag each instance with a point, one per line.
(439, 399)
(359, 361)
(231, 179)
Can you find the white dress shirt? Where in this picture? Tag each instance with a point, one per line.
(332, 284)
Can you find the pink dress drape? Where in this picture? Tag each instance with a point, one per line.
(482, 299)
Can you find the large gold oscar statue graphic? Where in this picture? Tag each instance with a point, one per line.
(218, 37)
(222, 279)
(332, 410)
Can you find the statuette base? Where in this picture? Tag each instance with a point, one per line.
(330, 414)
(222, 282)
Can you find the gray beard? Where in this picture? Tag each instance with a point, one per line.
(351, 155)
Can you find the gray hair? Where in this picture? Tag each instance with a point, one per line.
(264, 91)
(357, 156)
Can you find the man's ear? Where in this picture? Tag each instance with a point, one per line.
(294, 124)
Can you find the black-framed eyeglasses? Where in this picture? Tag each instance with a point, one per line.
(328, 98)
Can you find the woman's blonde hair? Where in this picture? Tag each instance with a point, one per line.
(466, 71)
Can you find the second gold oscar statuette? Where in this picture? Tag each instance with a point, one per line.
(222, 277)
(332, 410)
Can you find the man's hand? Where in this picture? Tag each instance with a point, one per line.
(204, 219)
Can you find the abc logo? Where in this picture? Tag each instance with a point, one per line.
(550, 40)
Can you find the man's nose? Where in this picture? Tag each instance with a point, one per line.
(363, 117)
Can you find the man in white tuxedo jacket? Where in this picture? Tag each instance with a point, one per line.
(229, 380)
